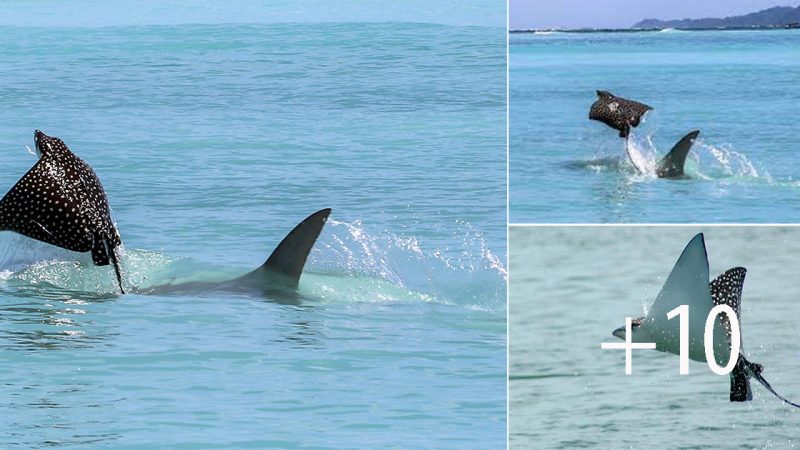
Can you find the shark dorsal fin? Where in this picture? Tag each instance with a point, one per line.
(671, 165)
(688, 281)
(288, 259)
(687, 284)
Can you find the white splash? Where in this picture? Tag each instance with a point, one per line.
(471, 276)
(705, 160)
(722, 161)
(641, 152)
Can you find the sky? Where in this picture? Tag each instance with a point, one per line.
(539, 14)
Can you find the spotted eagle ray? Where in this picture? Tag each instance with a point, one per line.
(61, 201)
(618, 113)
(688, 284)
(622, 114)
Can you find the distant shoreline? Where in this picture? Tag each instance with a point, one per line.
(644, 30)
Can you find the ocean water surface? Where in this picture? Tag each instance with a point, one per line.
(212, 142)
(736, 87)
(570, 287)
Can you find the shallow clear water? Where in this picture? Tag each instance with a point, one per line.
(212, 142)
(565, 300)
(734, 86)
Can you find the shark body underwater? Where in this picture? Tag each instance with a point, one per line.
(622, 114)
(688, 284)
(60, 201)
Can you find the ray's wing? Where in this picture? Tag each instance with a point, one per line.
(46, 204)
(726, 289)
(617, 112)
(96, 208)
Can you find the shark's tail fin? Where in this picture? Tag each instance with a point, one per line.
(288, 259)
(743, 371)
(672, 164)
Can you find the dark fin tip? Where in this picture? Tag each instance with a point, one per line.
(703, 242)
(289, 257)
(671, 165)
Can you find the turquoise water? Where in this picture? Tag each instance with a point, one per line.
(212, 142)
(736, 87)
(565, 300)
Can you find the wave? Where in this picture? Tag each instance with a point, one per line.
(472, 277)
(642, 154)
(706, 161)
(723, 161)
(348, 264)
(601, 163)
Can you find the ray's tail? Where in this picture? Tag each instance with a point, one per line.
(104, 252)
(740, 384)
(117, 269)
